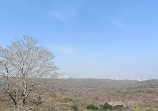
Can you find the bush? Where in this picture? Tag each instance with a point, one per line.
(92, 107)
(119, 107)
(106, 106)
(75, 107)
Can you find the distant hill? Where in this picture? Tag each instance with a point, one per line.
(98, 91)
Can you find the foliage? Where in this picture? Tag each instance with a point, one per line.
(106, 106)
(75, 107)
(92, 107)
(119, 107)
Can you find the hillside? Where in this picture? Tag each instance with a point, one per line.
(65, 94)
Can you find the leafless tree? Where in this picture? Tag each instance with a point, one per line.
(21, 63)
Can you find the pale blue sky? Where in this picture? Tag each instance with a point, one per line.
(90, 38)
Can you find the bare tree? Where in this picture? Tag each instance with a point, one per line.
(21, 63)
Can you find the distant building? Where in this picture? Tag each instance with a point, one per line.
(64, 76)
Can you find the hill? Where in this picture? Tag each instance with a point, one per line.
(66, 94)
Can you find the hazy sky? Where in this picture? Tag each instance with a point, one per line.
(90, 38)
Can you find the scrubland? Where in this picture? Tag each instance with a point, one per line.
(88, 95)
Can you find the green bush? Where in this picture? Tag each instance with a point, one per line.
(106, 106)
(75, 107)
(92, 107)
(119, 107)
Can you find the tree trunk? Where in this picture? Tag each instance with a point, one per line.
(24, 101)
(14, 101)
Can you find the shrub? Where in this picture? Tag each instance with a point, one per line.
(92, 107)
(106, 106)
(75, 107)
(119, 107)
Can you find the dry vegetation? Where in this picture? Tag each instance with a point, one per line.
(23, 63)
(77, 94)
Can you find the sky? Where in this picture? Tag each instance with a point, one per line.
(111, 39)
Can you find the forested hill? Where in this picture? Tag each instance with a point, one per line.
(83, 92)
